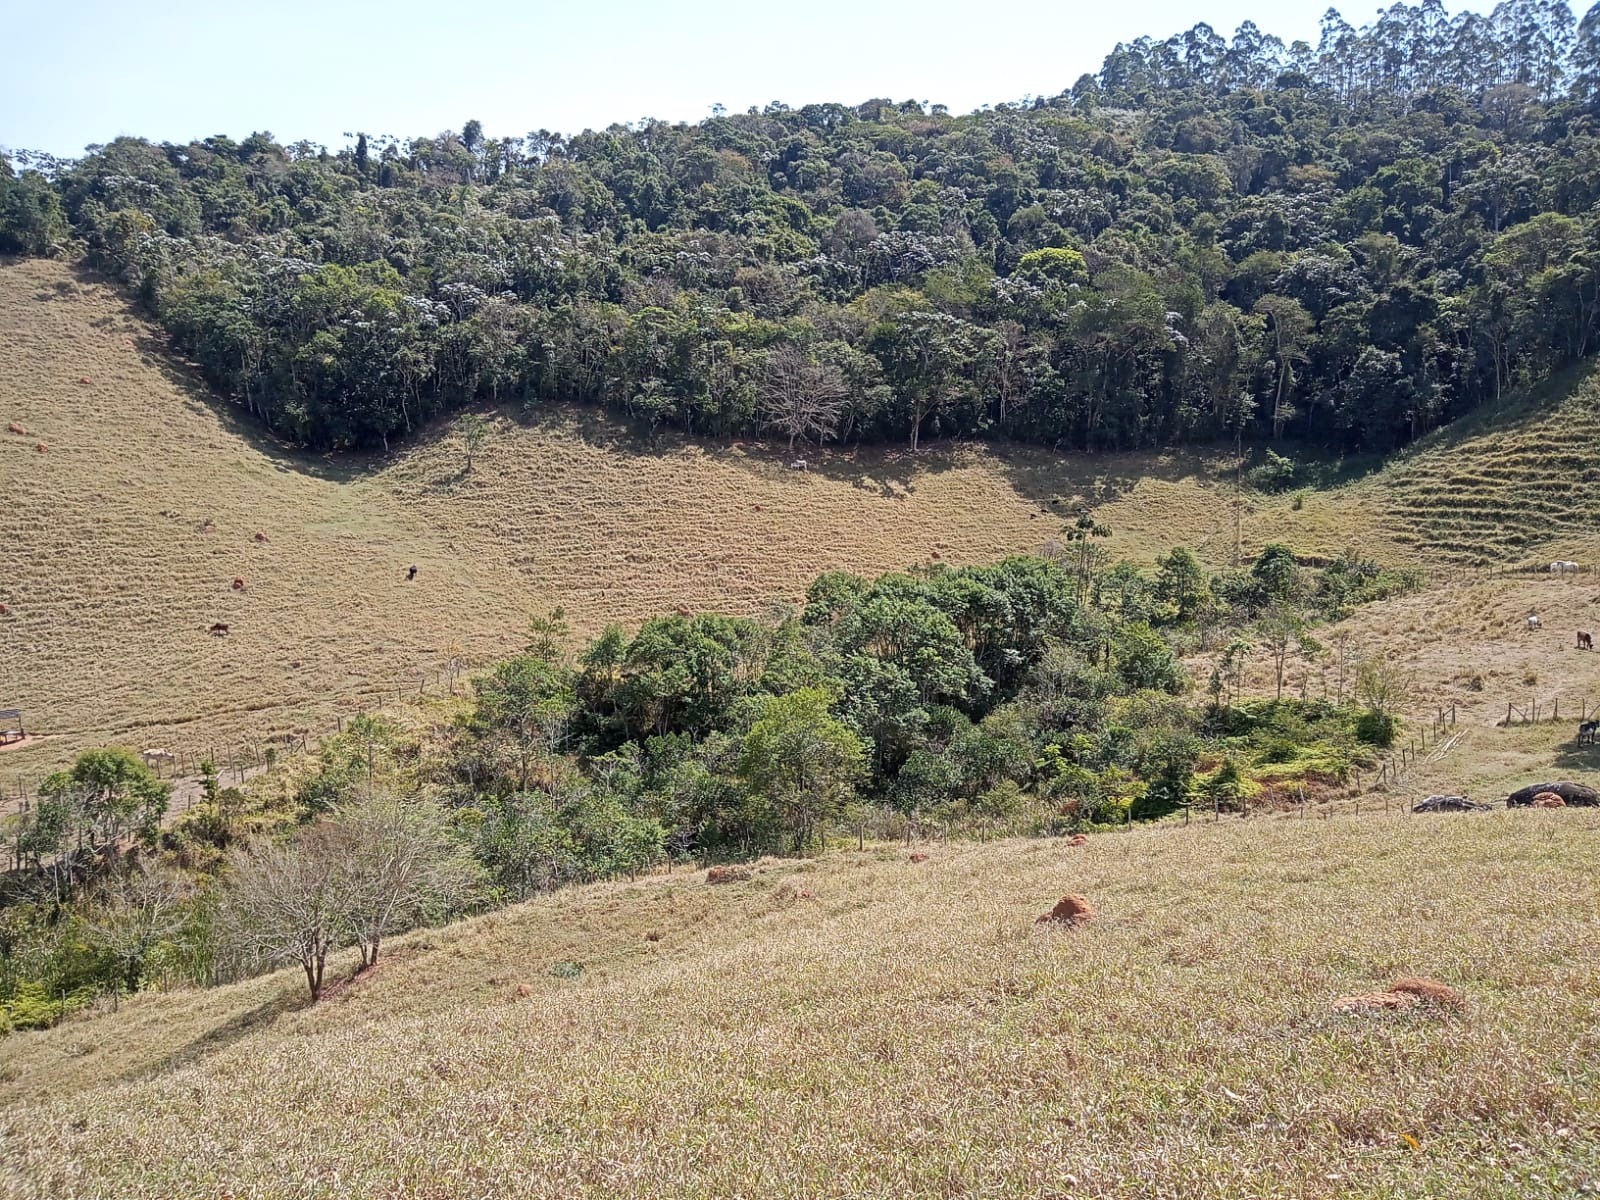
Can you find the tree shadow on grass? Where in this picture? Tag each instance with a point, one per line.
(1577, 756)
(235, 418)
(220, 1037)
(1057, 481)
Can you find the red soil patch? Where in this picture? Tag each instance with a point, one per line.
(727, 875)
(1069, 910)
(1403, 995)
(1429, 991)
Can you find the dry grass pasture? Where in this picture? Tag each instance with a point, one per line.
(119, 542)
(121, 539)
(908, 1031)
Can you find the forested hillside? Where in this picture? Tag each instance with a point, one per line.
(1349, 243)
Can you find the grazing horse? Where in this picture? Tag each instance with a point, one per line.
(1587, 731)
(1585, 641)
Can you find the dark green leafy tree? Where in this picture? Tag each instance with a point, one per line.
(803, 761)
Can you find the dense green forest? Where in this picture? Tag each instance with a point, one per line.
(1348, 243)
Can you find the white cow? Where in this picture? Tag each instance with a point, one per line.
(1561, 567)
(1534, 622)
(153, 757)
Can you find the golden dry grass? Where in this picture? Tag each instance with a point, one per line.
(1505, 486)
(908, 1031)
(108, 598)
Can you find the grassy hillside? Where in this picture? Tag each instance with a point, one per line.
(863, 1026)
(119, 542)
(1505, 485)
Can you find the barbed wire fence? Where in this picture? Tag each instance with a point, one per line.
(180, 762)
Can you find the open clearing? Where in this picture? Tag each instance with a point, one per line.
(120, 542)
(906, 1031)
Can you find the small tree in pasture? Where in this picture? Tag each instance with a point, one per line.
(1283, 632)
(475, 434)
(288, 901)
(1382, 684)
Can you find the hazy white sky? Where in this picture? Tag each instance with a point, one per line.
(179, 69)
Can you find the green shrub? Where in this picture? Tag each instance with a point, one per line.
(33, 1007)
(1274, 473)
(1377, 728)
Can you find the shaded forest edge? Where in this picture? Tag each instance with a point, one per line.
(1347, 245)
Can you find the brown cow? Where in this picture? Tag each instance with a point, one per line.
(219, 629)
(1585, 641)
(238, 585)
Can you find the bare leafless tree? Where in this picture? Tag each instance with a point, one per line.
(801, 396)
(134, 912)
(288, 901)
(403, 867)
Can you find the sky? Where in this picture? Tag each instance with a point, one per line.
(184, 69)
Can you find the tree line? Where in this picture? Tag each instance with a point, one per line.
(1036, 695)
(1348, 243)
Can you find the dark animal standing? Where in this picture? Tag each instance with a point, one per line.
(1587, 731)
(1585, 641)
(411, 574)
(219, 630)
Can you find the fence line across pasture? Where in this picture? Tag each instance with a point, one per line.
(1542, 712)
(236, 764)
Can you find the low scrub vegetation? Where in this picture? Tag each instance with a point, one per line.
(1037, 695)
